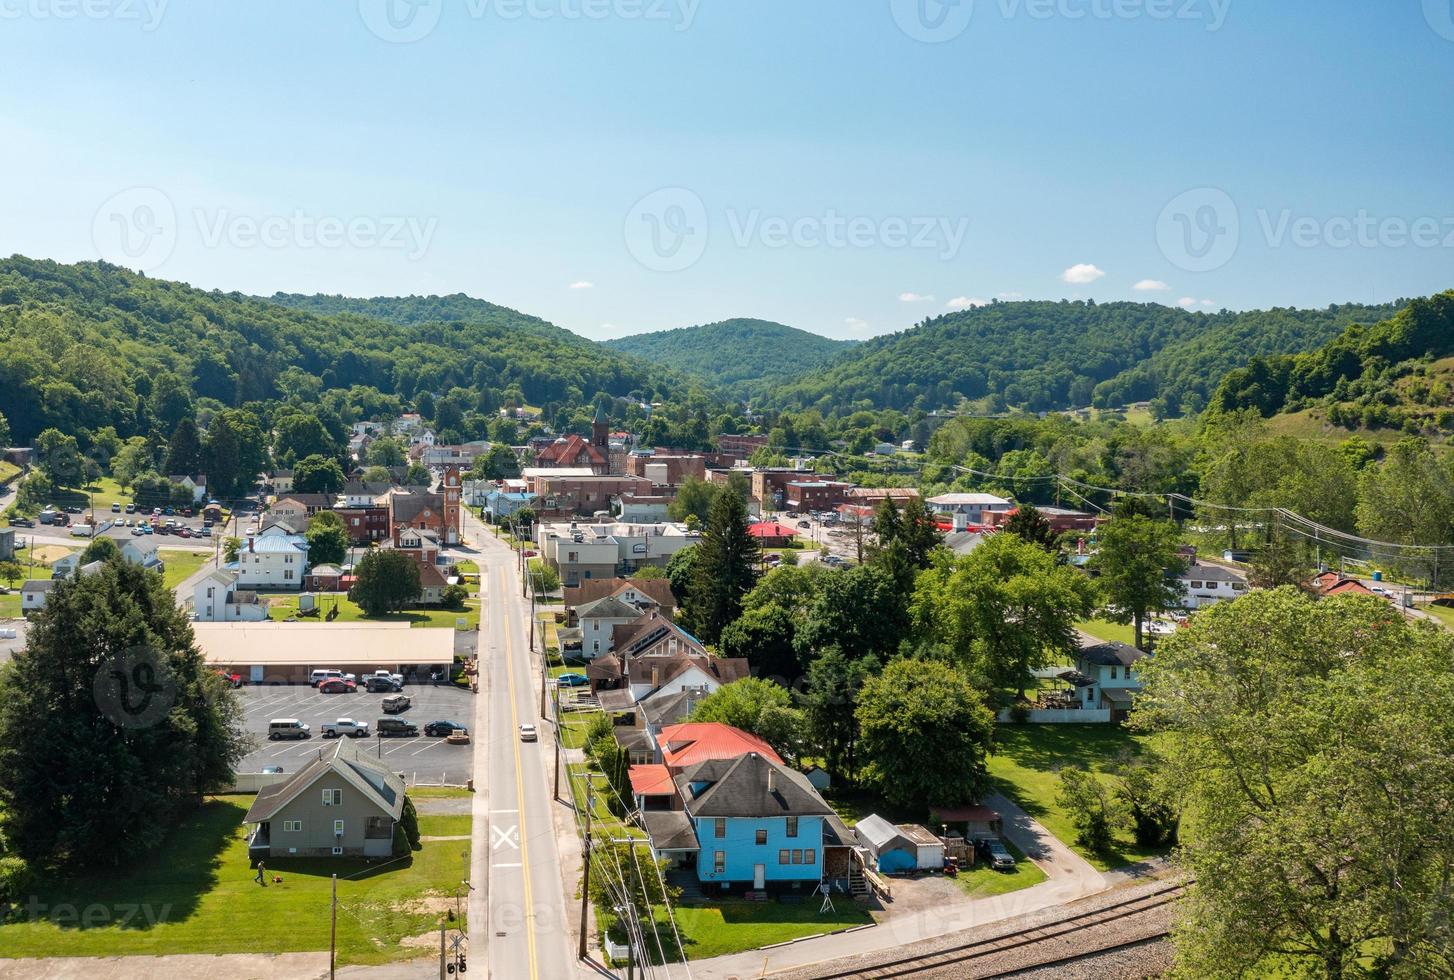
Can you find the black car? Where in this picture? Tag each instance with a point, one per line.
(375, 685)
(396, 728)
(439, 729)
(21, 522)
(992, 851)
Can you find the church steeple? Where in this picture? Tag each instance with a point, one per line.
(601, 429)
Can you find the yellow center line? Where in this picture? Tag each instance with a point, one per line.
(519, 789)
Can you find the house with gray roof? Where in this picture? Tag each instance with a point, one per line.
(1204, 584)
(34, 593)
(344, 803)
(598, 622)
(1105, 676)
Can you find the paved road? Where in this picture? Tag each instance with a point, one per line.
(518, 922)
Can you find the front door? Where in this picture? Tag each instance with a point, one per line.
(257, 673)
(759, 876)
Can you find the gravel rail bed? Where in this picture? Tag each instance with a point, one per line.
(1136, 924)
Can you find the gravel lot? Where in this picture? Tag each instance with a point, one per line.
(424, 760)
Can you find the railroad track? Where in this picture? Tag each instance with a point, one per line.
(982, 951)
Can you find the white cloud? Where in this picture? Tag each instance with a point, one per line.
(609, 327)
(1011, 295)
(1187, 302)
(966, 303)
(854, 323)
(915, 298)
(1082, 274)
(583, 284)
(1151, 286)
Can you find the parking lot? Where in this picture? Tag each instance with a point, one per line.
(421, 760)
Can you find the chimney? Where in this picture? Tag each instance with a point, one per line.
(656, 677)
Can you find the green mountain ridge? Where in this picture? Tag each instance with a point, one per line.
(743, 354)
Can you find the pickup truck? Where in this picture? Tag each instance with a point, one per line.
(397, 728)
(345, 726)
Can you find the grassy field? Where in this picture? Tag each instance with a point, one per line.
(1443, 614)
(982, 881)
(8, 472)
(284, 605)
(1112, 632)
(732, 926)
(182, 565)
(41, 569)
(1027, 759)
(198, 896)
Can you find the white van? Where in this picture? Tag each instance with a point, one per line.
(280, 728)
(319, 676)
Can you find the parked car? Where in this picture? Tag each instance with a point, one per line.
(115, 507)
(380, 685)
(805, 525)
(233, 680)
(131, 508)
(396, 728)
(271, 770)
(396, 703)
(439, 729)
(337, 686)
(323, 674)
(993, 852)
(83, 531)
(280, 728)
(527, 733)
(345, 726)
(572, 680)
(21, 522)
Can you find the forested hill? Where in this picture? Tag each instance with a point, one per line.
(1398, 372)
(742, 354)
(92, 345)
(1042, 356)
(409, 311)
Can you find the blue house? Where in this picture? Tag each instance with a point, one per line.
(757, 824)
(498, 503)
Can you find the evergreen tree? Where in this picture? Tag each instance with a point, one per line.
(1028, 524)
(725, 568)
(184, 452)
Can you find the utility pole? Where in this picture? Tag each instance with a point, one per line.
(557, 743)
(333, 930)
(441, 949)
(586, 879)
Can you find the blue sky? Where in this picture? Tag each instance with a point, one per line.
(846, 167)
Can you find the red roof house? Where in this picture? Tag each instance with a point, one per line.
(571, 452)
(771, 534)
(683, 746)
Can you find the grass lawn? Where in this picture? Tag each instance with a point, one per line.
(198, 896)
(182, 565)
(445, 824)
(1111, 632)
(10, 606)
(284, 605)
(1443, 614)
(733, 925)
(100, 494)
(982, 881)
(1027, 759)
(8, 472)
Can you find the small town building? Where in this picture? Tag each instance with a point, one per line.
(343, 804)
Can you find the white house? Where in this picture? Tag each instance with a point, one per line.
(143, 552)
(273, 559)
(33, 594)
(217, 599)
(970, 507)
(1205, 585)
(196, 484)
(1105, 676)
(599, 620)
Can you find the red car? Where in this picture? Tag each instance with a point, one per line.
(337, 686)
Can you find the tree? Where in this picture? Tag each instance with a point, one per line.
(1094, 809)
(1153, 813)
(765, 636)
(184, 452)
(1280, 561)
(4, 430)
(59, 458)
(543, 575)
(1408, 498)
(726, 568)
(1005, 609)
(35, 491)
(1137, 566)
(327, 539)
(299, 436)
(236, 452)
(1308, 744)
(500, 463)
(388, 580)
(385, 451)
(11, 572)
(925, 733)
(1028, 524)
(100, 549)
(418, 475)
(861, 611)
(317, 474)
(231, 547)
(757, 706)
(377, 474)
(694, 499)
(681, 571)
(834, 683)
(647, 572)
(619, 863)
(111, 723)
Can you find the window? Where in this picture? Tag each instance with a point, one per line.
(1113, 673)
(1196, 585)
(338, 828)
(721, 827)
(761, 837)
(1238, 587)
(211, 592)
(792, 826)
(333, 797)
(810, 856)
(337, 851)
(292, 826)
(719, 862)
(288, 575)
(784, 856)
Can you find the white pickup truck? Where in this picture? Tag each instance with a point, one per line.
(345, 726)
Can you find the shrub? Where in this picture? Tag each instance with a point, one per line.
(454, 596)
(16, 880)
(409, 823)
